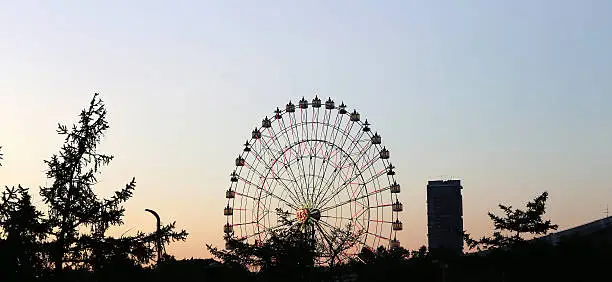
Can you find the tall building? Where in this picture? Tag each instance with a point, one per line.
(445, 217)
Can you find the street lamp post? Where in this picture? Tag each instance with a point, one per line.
(443, 267)
(158, 242)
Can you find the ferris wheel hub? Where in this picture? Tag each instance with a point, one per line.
(304, 214)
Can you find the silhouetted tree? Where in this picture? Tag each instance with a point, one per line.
(74, 207)
(381, 264)
(420, 253)
(289, 253)
(21, 232)
(21, 229)
(196, 270)
(337, 242)
(515, 222)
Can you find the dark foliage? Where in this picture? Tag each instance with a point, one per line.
(70, 240)
(22, 230)
(289, 253)
(510, 228)
(381, 264)
(74, 206)
(71, 200)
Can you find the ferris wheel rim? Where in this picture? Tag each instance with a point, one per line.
(279, 115)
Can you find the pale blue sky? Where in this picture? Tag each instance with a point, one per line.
(512, 97)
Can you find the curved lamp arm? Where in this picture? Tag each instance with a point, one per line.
(158, 243)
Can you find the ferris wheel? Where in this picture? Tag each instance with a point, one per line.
(324, 168)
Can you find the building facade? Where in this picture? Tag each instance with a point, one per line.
(445, 216)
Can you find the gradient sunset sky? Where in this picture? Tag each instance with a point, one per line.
(511, 97)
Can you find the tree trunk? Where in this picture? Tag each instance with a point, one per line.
(59, 255)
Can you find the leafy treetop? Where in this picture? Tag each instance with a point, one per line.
(510, 228)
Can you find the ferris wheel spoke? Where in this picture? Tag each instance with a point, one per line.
(326, 237)
(347, 132)
(332, 150)
(267, 192)
(269, 229)
(296, 139)
(268, 196)
(326, 160)
(330, 144)
(348, 158)
(325, 199)
(289, 168)
(381, 206)
(284, 214)
(296, 175)
(320, 147)
(285, 164)
(340, 189)
(246, 195)
(312, 163)
(340, 230)
(338, 217)
(300, 160)
(343, 186)
(378, 236)
(323, 191)
(260, 187)
(355, 199)
(327, 234)
(381, 221)
(354, 219)
(331, 182)
(300, 155)
(244, 223)
(304, 124)
(269, 168)
(282, 200)
(286, 179)
(315, 115)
